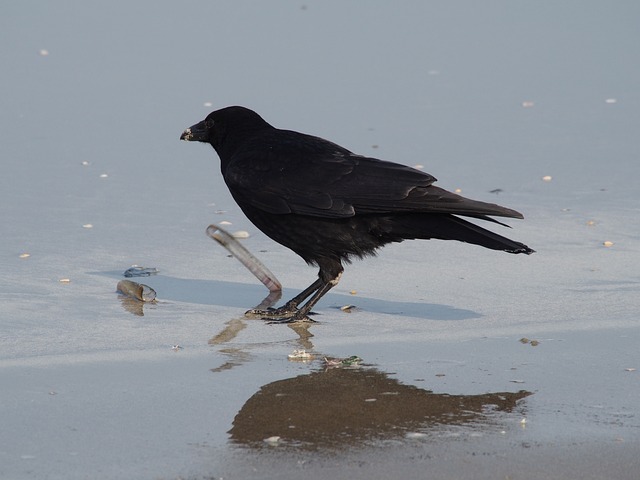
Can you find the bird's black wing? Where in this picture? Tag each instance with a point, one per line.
(310, 176)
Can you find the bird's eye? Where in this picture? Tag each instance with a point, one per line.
(208, 123)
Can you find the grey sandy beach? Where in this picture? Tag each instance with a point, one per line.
(475, 364)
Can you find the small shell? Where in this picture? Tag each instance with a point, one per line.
(528, 104)
(300, 355)
(547, 178)
(137, 271)
(135, 290)
(607, 243)
(240, 234)
(65, 280)
(332, 362)
(87, 225)
(25, 255)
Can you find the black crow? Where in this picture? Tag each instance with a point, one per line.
(330, 205)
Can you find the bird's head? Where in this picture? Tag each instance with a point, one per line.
(226, 128)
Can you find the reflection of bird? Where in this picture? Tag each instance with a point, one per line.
(343, 407)
(329, 205)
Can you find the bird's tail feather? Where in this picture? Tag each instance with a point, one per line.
(450, 227)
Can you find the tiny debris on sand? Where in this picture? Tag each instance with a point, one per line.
(274, 440)
(240, 234)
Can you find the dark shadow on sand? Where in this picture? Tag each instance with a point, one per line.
(246, 296)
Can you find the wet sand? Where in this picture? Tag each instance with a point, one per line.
(240, 408)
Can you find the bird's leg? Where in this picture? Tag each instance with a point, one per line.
(328, 279)
(290, 308)
(302, 313)
(302, 296)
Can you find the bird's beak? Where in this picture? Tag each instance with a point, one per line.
(195, 133)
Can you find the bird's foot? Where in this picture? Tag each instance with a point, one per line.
(288, 313)
(294, 319)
